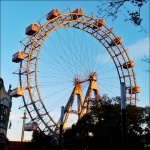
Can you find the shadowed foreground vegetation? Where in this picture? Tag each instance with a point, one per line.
(101, 128)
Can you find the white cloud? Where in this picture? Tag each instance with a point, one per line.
(139, 49)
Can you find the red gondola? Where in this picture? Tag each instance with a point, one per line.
(31, 126)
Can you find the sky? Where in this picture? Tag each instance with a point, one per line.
(17, 15)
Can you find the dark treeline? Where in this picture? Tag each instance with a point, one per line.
(101, 128)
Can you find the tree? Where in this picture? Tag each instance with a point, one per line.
(147, 60)
(42, 141)
(111, 9)
(146, 123)
(102, 128)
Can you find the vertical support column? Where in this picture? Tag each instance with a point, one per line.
(123, 116)
(61, 128)
(24, 118)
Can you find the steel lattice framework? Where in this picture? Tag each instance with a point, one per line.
(28, 72)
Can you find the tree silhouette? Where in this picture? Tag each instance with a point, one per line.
(101, 128)
(147, 60)
(43, 142)
(111, 9)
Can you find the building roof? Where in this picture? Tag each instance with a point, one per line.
(1, 83)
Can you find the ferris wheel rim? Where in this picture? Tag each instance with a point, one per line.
(59, 26)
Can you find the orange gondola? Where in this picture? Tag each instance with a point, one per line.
(77, 13)
(30, 30)
(19, 56)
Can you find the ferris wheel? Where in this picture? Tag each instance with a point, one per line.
(70, 59)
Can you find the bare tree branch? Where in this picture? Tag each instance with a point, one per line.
(147, 60)
(110, 9)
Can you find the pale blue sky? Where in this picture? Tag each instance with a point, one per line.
(17, 15)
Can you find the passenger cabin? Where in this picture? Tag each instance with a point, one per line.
(33, 28)
(129, 64)
(99, 23)
(116, 41)
(52, 14)
(134, 90)
(77, 13)
(19, 56)
(31, 126)
(19, 91)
